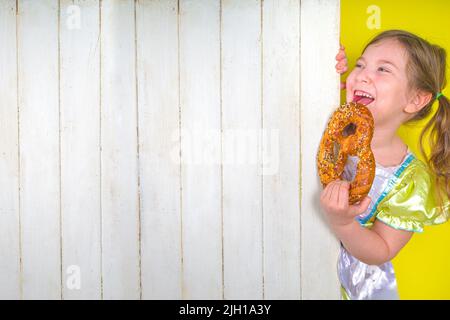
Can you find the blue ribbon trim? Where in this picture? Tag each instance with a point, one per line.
(388, 188)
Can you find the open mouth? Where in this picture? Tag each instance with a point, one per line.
(362, 97)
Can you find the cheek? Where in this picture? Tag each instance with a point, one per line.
(350, 79)
(389, 91)
(349, 87)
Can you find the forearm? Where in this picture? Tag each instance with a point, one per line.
(364, 244)
(373, 246)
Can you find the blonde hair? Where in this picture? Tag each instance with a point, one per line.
(426, 71)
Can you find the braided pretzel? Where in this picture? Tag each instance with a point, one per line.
(356, 144)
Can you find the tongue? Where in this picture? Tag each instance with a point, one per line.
(362, 100)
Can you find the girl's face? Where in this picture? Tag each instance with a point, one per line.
(379, 81)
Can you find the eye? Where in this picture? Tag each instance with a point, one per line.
(383, 69)
(358, 65)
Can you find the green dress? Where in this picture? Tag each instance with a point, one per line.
(404, 198)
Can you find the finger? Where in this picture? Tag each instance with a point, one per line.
(343, 194)
(341, 68)
(342, 63)
(339, 64)
(338, 191)
(335, 192)
(361, 207)
(325, 193)
(340, 55)
(341, 71)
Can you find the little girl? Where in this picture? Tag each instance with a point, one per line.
(398, 77)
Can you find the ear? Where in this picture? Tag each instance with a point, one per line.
(418, 100)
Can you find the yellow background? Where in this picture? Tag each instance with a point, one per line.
(423, 265)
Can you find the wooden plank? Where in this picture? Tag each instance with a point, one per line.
(319, 96)
(80, 149)
(157, 58)
(200, 148)
(119, 161)
(241, 108)
(281, 149)
(39, 148)
(10, 285)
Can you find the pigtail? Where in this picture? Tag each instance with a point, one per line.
(439, 159)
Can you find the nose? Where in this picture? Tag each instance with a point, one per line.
(363, 76)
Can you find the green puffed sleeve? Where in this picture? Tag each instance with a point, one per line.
(411, 202)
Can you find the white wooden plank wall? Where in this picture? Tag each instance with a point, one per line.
(10, 251)
(241, 121)
(80, 143)
(281, 152)
(165, 149)
(119, 156)
(158, 101)
(319, 94)
(199, 52)
(39, 149)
